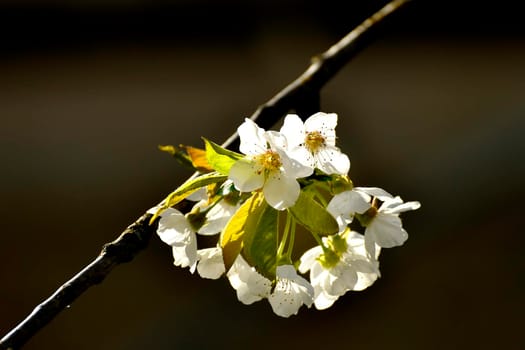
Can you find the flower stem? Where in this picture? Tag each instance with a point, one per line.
(292, 238)
(280, 250)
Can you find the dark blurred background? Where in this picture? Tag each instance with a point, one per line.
(433, 110)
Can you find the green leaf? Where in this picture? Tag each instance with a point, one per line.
(244, 219)
(220, 158)
(188, 188)
(313, 216)
(261, 240)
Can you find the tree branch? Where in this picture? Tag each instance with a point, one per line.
(302, 95)
(322, 69)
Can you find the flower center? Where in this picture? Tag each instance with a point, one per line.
(314, 141)
(369, 215)
(196, 219)
(269, 160)
(335, 247)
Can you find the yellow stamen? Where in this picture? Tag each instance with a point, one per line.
(269, 160)
(314, 141)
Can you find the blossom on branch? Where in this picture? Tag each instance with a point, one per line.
(250, 285)
(340, 265)
(254, 200)
(313, 143)
(267, 166)
(383, 225)
(291, 292)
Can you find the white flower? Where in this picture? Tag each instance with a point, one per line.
(267, 166)
(383, 225)
(313, 143)
(290, 292)
(175, 230)
(248, 283)
(343, 268)
(211, 264)
(345, 205)
(217, 217)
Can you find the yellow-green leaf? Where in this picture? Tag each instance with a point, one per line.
(181, 156)
(313, 216)
(243, 220)
(188, 188)
(220, 158)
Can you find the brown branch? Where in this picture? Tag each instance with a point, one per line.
(134, 239)
(302, 95)
(322, 69)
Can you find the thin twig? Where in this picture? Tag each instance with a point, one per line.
(302, 95)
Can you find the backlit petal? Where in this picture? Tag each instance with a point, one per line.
(296, 168)
(323, 300)
(293, 129)
(185, 254)
(211, 264)
(246, 176)
(344, 205)
(247, 282)
(281, 191)
(252, 138)
(386, 230)
(308, 259)
(331, 160)
(375, 192)
(217, 218)
(173, 227)
(396, 208)
(290, 292)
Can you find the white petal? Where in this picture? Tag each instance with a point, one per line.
(331, 160)
(343, 278)
(290, 292)
(286, 272)
(276, 140)
(294, 168)
(365, 266)
(370, 243)
(185, 255)
(324, 300)
(281, 191)
(399, 208)
(308, 259)
(303, 156)
(248, 283)
(246, 176)
(375, 191)
(356, 245)
(173, 227)
(365, 280)
(386, 230)
(252, 138)
(293, 129)
(217, 218)
(344, 205)
(211, 264)
(200, 194)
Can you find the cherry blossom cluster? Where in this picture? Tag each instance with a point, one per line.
(284, 186)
